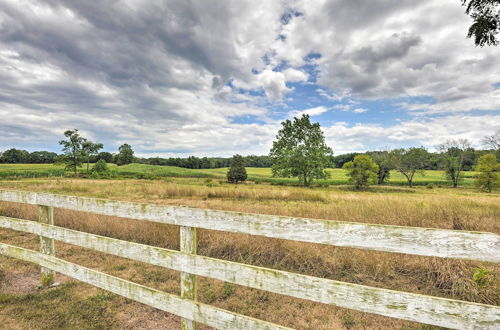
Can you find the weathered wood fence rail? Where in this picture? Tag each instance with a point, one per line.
(408, 306)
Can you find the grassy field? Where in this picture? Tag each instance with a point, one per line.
(258, 175)
(78, 305)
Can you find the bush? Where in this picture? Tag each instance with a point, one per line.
(362, 171)
(100, 167)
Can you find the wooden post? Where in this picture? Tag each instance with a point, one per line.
(188, 281)
(46, 215)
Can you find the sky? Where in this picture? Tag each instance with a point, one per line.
(215, 78)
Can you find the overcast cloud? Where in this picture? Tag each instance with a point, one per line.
(217, 77)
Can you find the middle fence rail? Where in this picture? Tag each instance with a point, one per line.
(410, 240)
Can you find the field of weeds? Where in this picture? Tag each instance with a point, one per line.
(459, 209)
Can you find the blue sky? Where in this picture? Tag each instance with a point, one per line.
(176, 78)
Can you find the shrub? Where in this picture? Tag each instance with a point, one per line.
(100, 167)
(362, 171)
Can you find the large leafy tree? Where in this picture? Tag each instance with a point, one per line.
(300, 151)
(409, 161)
(237, 172)
(488, 167)
(362, 171)
(14, 156)
(486, 21)
(125, 155)
(453, 153)
(74, 154)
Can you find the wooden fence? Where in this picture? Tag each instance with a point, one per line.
(410, 240)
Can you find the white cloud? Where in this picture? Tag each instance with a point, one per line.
(360, 110)
(311, 111)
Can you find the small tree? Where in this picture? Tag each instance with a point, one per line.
(125, 155)
(300, 151)
(453, 155)
(409, 161)
(90, 149)
(362, 171)
(237, 172)
(488, 179)
(73, 150)
(382, 159)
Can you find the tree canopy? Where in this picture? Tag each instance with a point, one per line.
(488, 167)
(300, 151)
(409, 161)
(486, 21)
(73, 155)
(125, 155)
(237, 172)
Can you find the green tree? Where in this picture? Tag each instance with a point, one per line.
(486, 21)
(107, 156)
(90, 149)
(488, 179)
(42, 157)
(73, 155)
(453, 156)
(237, 172)
(15, 156)
(300, 151)
(125, 155)
(409, 161)
(100, 167)
(382, 159)
(362, 171)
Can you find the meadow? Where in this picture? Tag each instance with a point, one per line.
(256, 175)
(74, 304)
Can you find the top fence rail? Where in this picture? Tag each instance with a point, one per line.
(432, 242)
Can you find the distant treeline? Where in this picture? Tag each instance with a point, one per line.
(434, 160)
(17, 156)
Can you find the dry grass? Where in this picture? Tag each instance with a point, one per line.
(440, 208)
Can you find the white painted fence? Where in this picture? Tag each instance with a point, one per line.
(408, 306)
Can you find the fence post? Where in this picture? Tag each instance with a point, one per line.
(46, 215)
(188, 281)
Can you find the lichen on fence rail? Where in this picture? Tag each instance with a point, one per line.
(410, 240)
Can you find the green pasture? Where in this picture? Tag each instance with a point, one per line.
(258, 175)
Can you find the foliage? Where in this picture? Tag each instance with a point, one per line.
(300, 151)
(14, 156)
(100, 167)
(362, 171)
(237, 172)
(106, 156)
(409, 161)
(90, 149)
(480, 276)
(340, 160)
(382, 159)
(486, 21)
(453, 153)
(488, 167)
(125, 155)
(74, 154)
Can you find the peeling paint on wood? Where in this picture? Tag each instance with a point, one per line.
(188, 242)
(47, 246)
(410, 240)
(170, 303)
(420, 308)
